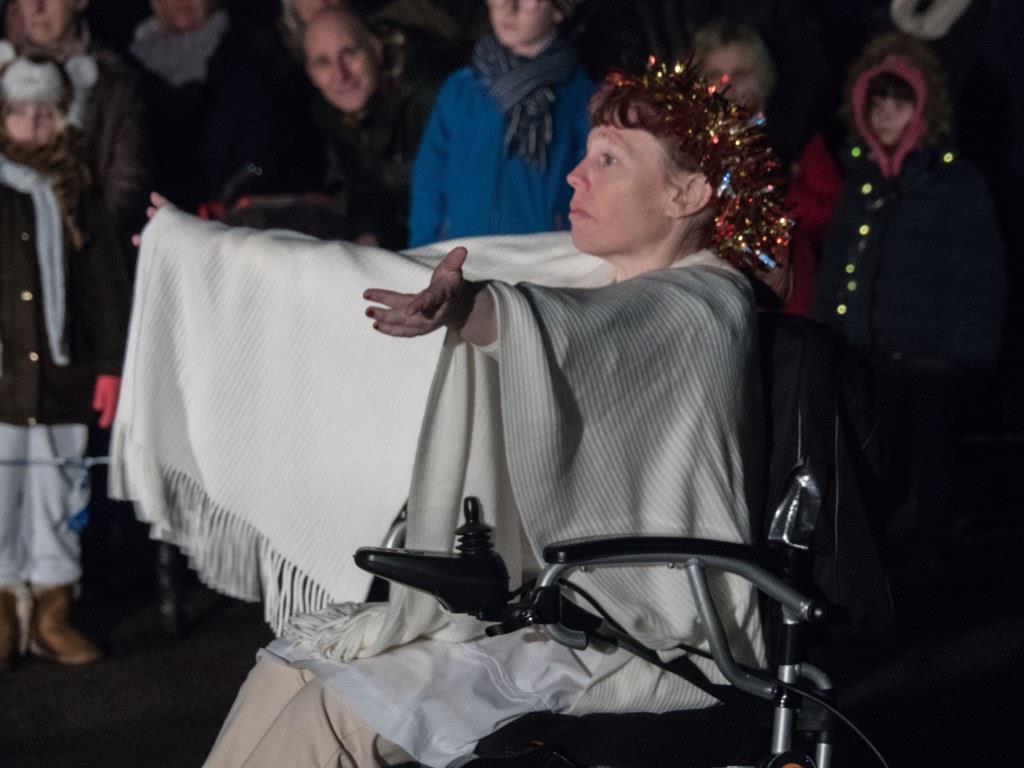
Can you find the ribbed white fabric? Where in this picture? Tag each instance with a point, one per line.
(263, 425)
(630, 409)
(269, 431)
(633, 409)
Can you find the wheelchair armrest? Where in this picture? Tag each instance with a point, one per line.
(740, 559)
(476, 585)
(693, 556)
(581, 550)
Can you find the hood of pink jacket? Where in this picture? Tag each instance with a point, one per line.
(891, 162)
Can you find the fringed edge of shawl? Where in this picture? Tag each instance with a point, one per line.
(227, 553)
(232, 557)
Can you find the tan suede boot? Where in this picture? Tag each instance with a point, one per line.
(51, 635)
(10, 630)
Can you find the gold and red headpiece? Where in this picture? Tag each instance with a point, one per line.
(730, 146)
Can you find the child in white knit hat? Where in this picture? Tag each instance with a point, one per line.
(63, 319)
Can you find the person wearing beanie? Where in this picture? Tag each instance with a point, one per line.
(504, 131)
(912, 275)
(63, 322)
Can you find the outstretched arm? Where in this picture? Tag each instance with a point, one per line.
(449, 300)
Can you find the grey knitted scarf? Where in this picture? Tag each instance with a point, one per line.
(49, 250)
(524, 90)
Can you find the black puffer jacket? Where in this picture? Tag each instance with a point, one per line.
(912, 268)
(912, 271)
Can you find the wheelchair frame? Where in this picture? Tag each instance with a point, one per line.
(541, 608)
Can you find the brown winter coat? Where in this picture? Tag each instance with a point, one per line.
(32, 388)
(115, 123)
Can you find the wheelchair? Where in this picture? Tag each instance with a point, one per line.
(813, 564)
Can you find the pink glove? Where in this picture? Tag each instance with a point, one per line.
(104, 398)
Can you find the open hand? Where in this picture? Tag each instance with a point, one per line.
(157, 201)
(446, 301)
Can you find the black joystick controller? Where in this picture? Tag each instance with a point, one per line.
(474, 537)
(473, 580)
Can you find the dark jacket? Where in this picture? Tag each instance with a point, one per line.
(821, 416)
(912, 272)
(370, 161)
(209, 137)
(119, 138)
(37, 390)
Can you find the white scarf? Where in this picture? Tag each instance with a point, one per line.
(178, 58)
(931, 24)
(49, 252)
(263, 424)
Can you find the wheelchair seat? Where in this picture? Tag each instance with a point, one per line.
(812, 537)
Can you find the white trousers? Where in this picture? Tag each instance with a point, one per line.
(37, 501)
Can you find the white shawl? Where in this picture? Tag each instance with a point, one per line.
(268, 430)
(263, 425)
(629, 409)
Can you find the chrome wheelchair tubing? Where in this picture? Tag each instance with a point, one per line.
(784, 718)
(799, 606)
(739, 677)
(571, 638)
(717, 640)
(823, 749)
(395, 538)
(816, 676)
(823, 754)
(802, 607)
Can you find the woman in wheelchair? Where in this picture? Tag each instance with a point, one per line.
(629, 409)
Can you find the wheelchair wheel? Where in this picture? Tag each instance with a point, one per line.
(790, 759)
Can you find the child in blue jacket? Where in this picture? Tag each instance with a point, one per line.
(504, 132)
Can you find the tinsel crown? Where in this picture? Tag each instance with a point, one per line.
(730, 146)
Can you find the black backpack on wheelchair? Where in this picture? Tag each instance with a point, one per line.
(813, 562)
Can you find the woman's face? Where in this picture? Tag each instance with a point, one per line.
(620, 193)
(31, 124)
(524, 26)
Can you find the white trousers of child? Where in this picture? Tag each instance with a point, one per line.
(37, 500)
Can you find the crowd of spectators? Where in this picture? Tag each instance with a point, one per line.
(410, 121)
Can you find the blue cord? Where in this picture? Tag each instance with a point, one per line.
(75, 521)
